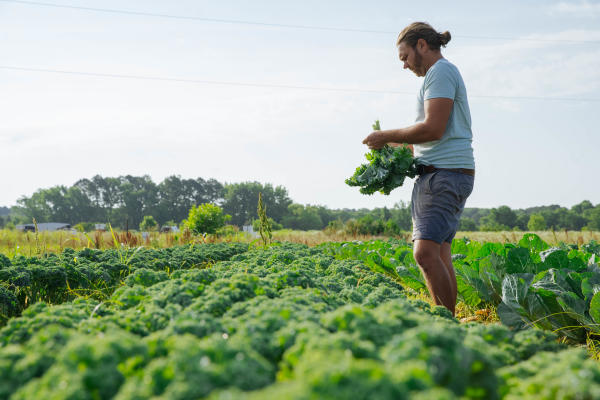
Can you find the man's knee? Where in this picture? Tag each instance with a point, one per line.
(426, 257)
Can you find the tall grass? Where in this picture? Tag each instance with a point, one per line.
(14, 243)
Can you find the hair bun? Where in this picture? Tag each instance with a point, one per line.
(445, 38)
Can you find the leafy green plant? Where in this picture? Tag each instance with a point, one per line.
(387, 169)
(148, 223)
(206, 219)
(536, 222)
(393, 258)
(265, 224)
(84, 227)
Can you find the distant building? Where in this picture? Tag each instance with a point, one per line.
(250, 230)
(169, 228)
(100, 227)
(45, 226)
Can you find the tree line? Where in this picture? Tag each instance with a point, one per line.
(124, 201)
(582, 216)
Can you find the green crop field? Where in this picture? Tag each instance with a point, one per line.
(333, 321)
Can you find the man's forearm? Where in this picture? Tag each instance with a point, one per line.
(414, 134)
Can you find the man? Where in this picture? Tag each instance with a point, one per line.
(441, 142)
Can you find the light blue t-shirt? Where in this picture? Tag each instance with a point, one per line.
(454, 149)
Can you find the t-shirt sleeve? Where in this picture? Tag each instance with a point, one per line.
(441, 83)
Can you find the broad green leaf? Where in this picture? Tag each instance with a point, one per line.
(491, 272)
(459, 246)
(467, 292)
(590, 285)
(515, 288)
(552, 281)
(577, 260)
(571, 302)
(470, 276)
(511, 316)
(595, 308)
(491, 248)
(533, 242)
(574, 279)
(411, 277)
(517, 260)
(402, 255)
(555, 258)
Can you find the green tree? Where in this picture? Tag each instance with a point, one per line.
(522, 220)
(489, 224)
(56, 204)
(499, 219)
(391, 228)
(553, 215)
(177, 196)
(241, 199)
(351, 227)
(206, 218)
(303, 218)
(334, 226)
(536, 222)
(402, 216)
(582, 207)
(328, 215)
(368, 225)
(503, 215)
(140, 197)
(148, 223)
(593, 217)
(569, 219)
(104, 195)
(467, 224)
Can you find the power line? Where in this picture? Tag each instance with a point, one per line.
(192, 18)
(200, 81)
(289, 26)
(273, 86)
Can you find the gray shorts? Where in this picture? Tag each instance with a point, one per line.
(438, 200)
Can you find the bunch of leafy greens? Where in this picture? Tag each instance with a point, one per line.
(386, 170)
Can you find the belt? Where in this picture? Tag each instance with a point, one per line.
(426, 169)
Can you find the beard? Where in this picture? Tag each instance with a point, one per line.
(418, 67)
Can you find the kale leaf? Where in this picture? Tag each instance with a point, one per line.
(386, 170)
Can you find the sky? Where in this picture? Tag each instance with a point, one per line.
(284, 92)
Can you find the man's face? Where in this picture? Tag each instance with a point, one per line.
(411, 58)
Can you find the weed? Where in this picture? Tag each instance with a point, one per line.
(265, 225)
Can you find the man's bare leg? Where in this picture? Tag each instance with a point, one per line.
(446, 254)
(428, 255)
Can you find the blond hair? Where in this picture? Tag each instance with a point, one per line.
(422, 30)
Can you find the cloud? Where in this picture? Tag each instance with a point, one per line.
(580, 9)
(534, 66)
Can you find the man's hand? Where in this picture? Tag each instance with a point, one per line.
(376, 140)
(437, 113)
